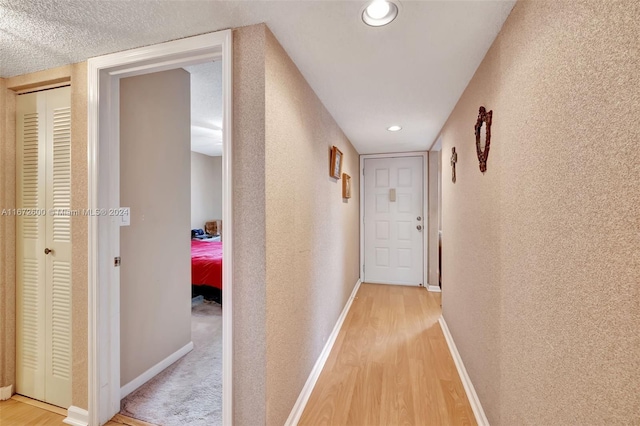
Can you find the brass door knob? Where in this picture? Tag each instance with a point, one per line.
(47, 251)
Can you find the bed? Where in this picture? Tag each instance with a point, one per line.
(206, 269)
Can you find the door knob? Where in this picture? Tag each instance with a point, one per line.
(47, 251)
(419, 227)
(419, 218)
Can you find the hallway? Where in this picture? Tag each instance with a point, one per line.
(390, 365)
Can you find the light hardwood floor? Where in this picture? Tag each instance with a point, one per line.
(19, 412)
(390, 365)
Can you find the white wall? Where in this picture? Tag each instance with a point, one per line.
(206, 189)
(155, 276)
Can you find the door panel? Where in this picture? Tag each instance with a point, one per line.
(393, 202)
(43, 293)
(30, 271)
(58, 239)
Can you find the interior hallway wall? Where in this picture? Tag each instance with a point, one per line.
(296, 240)
(312, 233)
(249, 249)
(7, 249)
(541, 252)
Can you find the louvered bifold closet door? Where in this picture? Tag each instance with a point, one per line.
(30, 258)
(58, 239)
(44, 288)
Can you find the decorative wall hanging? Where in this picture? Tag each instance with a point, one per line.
(346, 186)
(336, 162)
(484, 117)
(454, 160)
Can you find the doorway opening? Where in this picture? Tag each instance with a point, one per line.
(107, 244)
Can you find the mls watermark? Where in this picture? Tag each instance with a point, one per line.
(119, 212)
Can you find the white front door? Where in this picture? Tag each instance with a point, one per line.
(393, 220)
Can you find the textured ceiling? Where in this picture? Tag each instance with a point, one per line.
(206, 108)
(410, 73)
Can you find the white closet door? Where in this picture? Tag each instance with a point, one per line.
(44, 280)
(58, 240)
(30, 258)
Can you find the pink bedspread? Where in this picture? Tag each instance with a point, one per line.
(206, 263)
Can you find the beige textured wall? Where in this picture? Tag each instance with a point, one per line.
(155, 276)
(206, 189)
(79, 200)
(249, 252)
(312, 233)
(75, 73)
(541, 253)
(7, 287)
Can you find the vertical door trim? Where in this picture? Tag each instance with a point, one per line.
(425, 207)
(103, 191)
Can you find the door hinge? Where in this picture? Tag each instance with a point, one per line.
(117, 261)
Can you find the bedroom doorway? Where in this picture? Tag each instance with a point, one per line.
(115, 240)
(170, 358)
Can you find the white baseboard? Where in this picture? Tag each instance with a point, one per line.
(303, 398)
(76, 417)
(478, 411)
(434, 288)
(155, 370)
(6, 392)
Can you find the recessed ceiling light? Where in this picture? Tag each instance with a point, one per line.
(394, 128)
(379, 13)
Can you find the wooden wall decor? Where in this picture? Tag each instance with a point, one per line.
(484, 117)
(336, 163)
(454, 160)
(346, 186)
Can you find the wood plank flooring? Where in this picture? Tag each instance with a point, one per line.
(18, 412)
(390, 365)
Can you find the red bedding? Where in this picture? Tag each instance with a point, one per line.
(206, 263)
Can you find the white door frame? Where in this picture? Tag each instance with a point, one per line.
(425, 198)
(103, 145)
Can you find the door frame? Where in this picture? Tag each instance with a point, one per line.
(425, 206)
(103, 146)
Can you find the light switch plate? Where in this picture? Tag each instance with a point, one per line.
(125, 218)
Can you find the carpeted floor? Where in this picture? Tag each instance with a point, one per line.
(189, 392)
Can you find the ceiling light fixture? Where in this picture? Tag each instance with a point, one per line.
(394, 128)
(379, 13)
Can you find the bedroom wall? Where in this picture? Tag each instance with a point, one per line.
(76, 74)
(155, 276)
(541, 253)
(206, 189)
(312, 234)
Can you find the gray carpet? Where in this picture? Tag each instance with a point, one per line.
(189, 392)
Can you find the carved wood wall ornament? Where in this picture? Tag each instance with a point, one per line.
(454, 160)
(484, 117)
